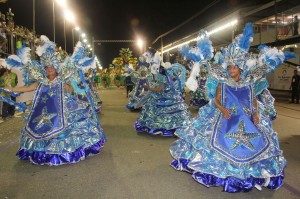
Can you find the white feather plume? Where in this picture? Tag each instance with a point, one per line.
(192, 82)
(251, 63)
(25, 55)
(45, 43)
(15, 57)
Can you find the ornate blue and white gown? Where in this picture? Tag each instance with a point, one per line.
(164, 111)
(60, 129)
(199, 98)
(96, 98)
(137, 94)
(234, 154)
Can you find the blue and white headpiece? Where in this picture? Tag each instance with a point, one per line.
(22, 58)
(47, 53)
(199, 55)
(236, 53)
(80, 58)
(253, 66)
(153, 58)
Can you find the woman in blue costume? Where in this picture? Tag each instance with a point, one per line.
(137, 94)
(60, 129)
(164, 110)
(198, 97)
(89, 76)
(231, 142)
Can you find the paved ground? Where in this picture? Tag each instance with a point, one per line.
(131, 165)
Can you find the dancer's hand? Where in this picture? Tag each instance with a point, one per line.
(255, 118)
(226, 113)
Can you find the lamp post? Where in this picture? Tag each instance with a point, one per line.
(65, 37)
(53, 13)
(63, 4)
(77, 29)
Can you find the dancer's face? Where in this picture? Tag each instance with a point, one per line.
(234, 71)
(51, 71)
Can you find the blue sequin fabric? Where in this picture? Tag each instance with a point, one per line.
(137, 94)
(199, 97)
(234, 153)
(96, 98)
(79, 133)
(163, 112)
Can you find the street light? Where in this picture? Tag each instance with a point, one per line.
(140, 44)
(69, 17)
(63, 4)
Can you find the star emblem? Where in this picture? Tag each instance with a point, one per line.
(44, 119)
(44, 99)
(242, 137)
(233, 109)
(51, 93)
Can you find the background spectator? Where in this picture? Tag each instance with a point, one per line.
(296, 25)
(9, 79)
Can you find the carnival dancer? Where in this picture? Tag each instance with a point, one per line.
(60, 128)
(231, 143)
(89, 76)
(164, 110)
(199, 97)
(141, 78)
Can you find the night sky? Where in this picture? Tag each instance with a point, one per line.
(121, 20)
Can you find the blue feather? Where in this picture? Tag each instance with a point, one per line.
(77, 89)
(245, 39)
(184, 50)
(13, 62)
(205, 47)
(88, 62)
(289, 55)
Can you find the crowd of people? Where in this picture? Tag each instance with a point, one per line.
(21, 35)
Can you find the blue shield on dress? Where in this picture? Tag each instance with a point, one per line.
(47, 119)
(238, 139)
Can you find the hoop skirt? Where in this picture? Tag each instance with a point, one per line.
(163, 113)
(234, 153)
(60, 128)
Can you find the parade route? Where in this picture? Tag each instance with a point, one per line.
(132, 165)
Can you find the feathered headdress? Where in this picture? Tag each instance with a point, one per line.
(253, 66)
(47, 53)
(236, 52)
(153, 59)
(200, 55)
(22, 58)
(31, 69)
(81, 59)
